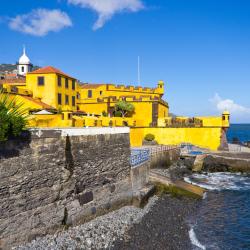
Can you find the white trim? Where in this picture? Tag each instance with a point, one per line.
(86, 131)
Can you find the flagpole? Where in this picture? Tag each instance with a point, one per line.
(138, 72)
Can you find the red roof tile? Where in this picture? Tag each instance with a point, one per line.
(13, 81)
(48, 70)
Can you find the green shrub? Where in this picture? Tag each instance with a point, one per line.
(104, 113)
(149, 137)
(12, 117)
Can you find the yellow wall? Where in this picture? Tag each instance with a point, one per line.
(50, 121)
(93, 108)
(143, 109)
(49, 92)
(143, 103)
(162, 111)
(107, 90)
(203, 137)
(27, 105)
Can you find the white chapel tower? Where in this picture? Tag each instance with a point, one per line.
(24, 65)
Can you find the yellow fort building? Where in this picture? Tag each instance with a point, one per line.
(55, 99)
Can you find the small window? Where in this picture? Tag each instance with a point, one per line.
(40, 81)
(78, 96)
(73, 101)
(89, 93)
(22, 68)
(73, 84)
(69, 116)
(59, 99)
(59, 81)
(100, 92)
(66, 99)
(66, 83)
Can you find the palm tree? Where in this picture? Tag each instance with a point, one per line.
(13, 118)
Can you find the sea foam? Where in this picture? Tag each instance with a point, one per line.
(220, 181)
(194, 239)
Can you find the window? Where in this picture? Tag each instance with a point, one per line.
(59, 99)
(22, 68)
(100, 92)
(78, 96)
(89, 93)
(66, 99)
(40, 81)
(66, 83)
(73, 101)
(73, 84)
(59, 81)
(69, 116)
(14, 89)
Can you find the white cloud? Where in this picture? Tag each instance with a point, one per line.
(230, 105)
(40, 22)
(107, 8)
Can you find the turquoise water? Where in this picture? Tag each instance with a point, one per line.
(240, 131)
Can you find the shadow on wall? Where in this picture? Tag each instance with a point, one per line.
(13, 146)
(69, 162)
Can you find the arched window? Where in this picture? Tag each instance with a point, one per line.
(22, 69)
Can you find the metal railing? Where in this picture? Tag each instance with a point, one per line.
(163, 148)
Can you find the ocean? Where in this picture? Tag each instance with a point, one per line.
(222, 221)
(239, 131)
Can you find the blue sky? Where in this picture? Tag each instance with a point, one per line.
(201, 49)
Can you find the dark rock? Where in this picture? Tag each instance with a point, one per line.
(164, 227)
(232, 162)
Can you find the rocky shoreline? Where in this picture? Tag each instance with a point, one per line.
(163, 227)
(161, 224)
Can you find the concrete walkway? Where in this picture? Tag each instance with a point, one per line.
(156, 177)
(238, 148)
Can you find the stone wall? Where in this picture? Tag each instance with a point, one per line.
(52, 179)
(165, 158)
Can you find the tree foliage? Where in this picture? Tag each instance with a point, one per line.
(13, 118)
(124, 108)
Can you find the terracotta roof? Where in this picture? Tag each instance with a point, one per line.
(13, 81)
(49, 69)
(10, 75)
(42, 104)
(91, 86)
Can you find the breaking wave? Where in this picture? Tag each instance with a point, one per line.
(220, 181)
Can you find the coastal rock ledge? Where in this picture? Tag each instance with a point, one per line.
(227, 162)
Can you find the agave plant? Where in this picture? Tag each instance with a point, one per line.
(13, 117)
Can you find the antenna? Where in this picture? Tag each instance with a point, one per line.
(139, 72)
